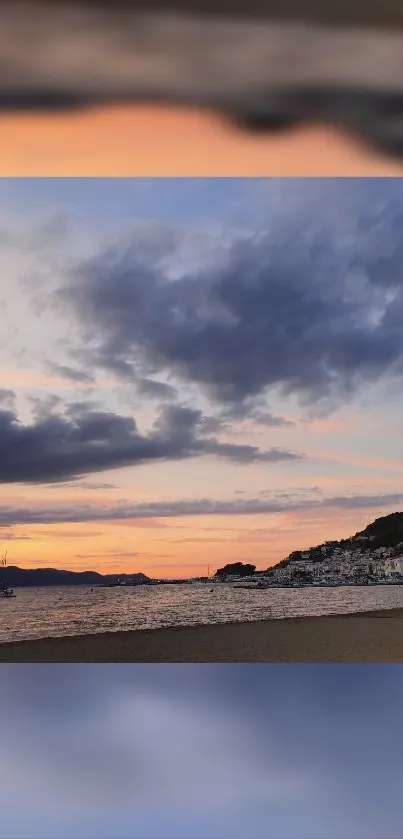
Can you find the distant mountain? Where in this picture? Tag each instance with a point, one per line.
(385, 532)
(15, 577)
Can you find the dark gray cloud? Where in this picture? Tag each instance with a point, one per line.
(7, 398)
(253, 409)
(156, 390)
(82, 441)
(312, 306)
(44, 406)
(186, 423)
(10, 515)
(69, 373)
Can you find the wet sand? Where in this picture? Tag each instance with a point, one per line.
(365, 637)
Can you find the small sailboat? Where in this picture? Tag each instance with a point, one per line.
(4, 590)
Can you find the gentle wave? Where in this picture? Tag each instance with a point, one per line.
(52, 612)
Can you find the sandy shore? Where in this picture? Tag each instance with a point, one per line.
(371, 636)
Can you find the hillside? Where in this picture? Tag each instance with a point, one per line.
(17, 577)
(384, 532)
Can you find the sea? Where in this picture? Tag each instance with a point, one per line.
(76, 610)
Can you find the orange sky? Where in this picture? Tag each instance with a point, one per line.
(181, 547)
(155, 141)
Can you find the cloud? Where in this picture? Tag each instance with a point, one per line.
(77, 376)
(10, 516)
(156, 390)
(120, 554)
(311, 306)
(91, 751)
(186, 422)
(7, 398)
(253, 409)
(95, 485)
(81, 441)
(118, 756)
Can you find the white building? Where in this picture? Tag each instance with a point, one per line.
(394, 565)
(283, 573)
(306, 565)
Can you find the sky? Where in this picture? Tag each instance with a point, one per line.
(201, 751)
(149, 139)
(171, 141)
(196, 371)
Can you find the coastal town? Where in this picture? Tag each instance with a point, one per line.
(374, 556)
(331, 564)
(371, 557)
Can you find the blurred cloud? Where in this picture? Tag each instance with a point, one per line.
(209, 752)
(281, 65)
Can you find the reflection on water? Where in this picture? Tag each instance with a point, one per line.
(40, 612)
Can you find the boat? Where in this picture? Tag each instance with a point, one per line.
(5, 591)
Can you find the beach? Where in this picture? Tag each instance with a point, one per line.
(360, 637)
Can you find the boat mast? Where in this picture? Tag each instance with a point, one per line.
(3, 563)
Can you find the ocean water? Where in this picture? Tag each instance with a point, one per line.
(59, 611)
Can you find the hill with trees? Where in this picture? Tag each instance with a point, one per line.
(13, 576)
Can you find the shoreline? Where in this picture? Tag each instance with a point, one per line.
(375, 636)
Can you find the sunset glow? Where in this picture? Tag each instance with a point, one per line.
(171, 141)
(195, 372)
